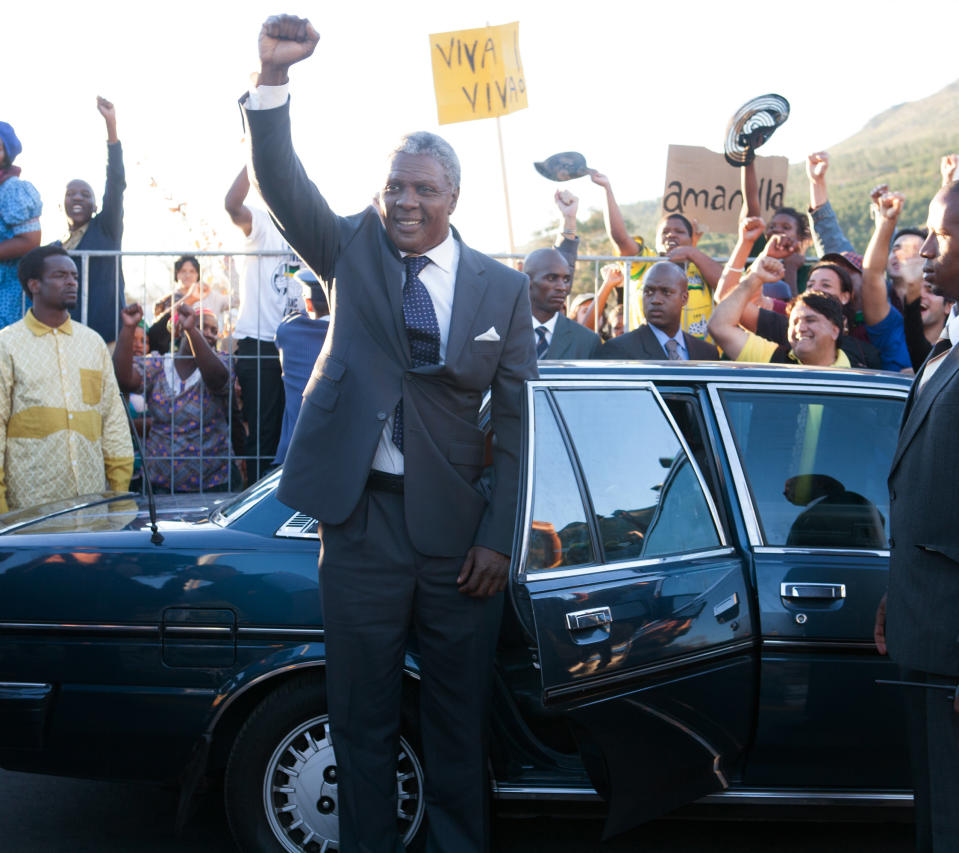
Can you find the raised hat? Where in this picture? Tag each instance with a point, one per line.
(564, 166)
(751, 125)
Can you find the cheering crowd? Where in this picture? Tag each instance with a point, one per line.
(208, 419)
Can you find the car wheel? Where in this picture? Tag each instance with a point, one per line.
(280, 787)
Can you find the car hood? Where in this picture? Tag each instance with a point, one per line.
(110, 511)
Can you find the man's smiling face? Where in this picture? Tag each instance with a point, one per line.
(79, 203)
(416, 202)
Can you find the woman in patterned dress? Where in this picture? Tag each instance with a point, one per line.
(188, 401)
(19, 225)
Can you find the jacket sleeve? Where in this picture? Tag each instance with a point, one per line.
(517, 364)
(111, 214)
(304, 218)
(116, 442)
(827, 233)
(569, 249)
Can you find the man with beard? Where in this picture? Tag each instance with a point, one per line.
(922, 628)
(63, 430)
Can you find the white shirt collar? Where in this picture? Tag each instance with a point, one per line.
(662, 337)
(550, 324)
(442, 255)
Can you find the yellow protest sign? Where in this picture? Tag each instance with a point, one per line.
(478, 73)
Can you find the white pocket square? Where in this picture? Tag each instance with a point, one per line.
(489, 335)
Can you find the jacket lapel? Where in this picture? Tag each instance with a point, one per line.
(651, 346)
(920, 402)
(393, 274)
(560, 335)
(468, 294)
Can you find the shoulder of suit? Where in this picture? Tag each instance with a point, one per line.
(497, 270)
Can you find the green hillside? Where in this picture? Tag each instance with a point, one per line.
(901, 146)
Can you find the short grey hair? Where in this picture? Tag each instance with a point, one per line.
(424, 142)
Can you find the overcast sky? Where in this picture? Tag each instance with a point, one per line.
(618, 82)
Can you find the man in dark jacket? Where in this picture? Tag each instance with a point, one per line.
(102, 286)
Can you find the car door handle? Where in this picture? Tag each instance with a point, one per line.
(584, 619)
(813, 590)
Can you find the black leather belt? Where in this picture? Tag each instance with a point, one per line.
(380, 481)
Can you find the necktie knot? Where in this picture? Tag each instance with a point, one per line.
(415, 264)
(672, 350)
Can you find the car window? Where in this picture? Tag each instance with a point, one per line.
(559, 534)
(646, 496)
(816, 465)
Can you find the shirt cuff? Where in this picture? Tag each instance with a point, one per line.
(268, 97)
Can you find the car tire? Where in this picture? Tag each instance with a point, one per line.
(272, 811)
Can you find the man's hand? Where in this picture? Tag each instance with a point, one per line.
(780, 246)
(817, 164)
(132, 314)
(599, 179)
(751, 229)
(484, 572)
(875, 194)
(947, 168)
(768, 269)
(284, 40)
(890, 205)
(879, 629)
(682, 254)
(184, 317)
(612, 275)
(109, 113)
(567, 203)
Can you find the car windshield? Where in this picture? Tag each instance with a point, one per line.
(243, 502)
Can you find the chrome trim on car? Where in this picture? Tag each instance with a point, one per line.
(196, 629)
(298, 526)
(649, 563)
(786, 797)
(72, 627)
(543, 792)
(305, 633)
(25, 685)
(839, 552)
(743, 492)
(819, 644)
(600, 682)
(801, 590)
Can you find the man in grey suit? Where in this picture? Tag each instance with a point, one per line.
(556, 336)
(387, 454)
(922, 631)
(665, 293)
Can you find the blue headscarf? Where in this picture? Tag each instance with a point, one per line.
(10, 142)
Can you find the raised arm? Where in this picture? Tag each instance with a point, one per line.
(725, 323)
(750, 230)
(110, 216)
(612, 277)
(216, 375)
(827, 233)
(947, 168)
(567, 243)
(817, 164)
(235, 196)
(875, 296)
(128, 377)
(615, 224)
(749, 185)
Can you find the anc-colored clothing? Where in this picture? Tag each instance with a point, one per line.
(63, 429)
(19, 214)
(698, 309)
(758, 349)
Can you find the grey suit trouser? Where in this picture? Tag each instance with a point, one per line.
(934, 754)
(377, 589)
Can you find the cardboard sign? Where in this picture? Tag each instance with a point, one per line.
(701, 185)
(478, 73)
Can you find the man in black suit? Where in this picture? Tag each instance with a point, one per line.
(556, 336)
(388, 456)
(665, 293)
(922, 631)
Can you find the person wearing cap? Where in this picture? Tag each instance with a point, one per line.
(20, 209)
(299, 339)
(815, 324)
(676, 239)
(91, 230)
(267, 295)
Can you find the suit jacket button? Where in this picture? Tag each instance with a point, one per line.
(892, 493)
(892, 542)
(381, 416)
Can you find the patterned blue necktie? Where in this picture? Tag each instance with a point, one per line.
(422, 329)
(542, 345)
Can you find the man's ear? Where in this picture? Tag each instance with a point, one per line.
(33, 285)
(456, 195)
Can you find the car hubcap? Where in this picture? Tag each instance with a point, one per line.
(300, 790)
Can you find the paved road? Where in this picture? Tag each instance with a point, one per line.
(47, 815)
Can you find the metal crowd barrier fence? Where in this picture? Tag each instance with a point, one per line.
(148, 279)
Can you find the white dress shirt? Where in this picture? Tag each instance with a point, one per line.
(550, 325)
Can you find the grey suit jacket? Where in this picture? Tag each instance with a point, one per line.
(571, 340)
(642, 344)
(365, 368)
(922, 628)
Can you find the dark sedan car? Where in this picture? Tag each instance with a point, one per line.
(699, 553)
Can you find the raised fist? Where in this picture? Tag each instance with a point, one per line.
(106, 109)
(132, 314)
(817, 164)
(890, 205)
(947, 168)
(567, 203)
(768, 269)
(599, 179)
(286, 39)
(751, 229)
(780, 246)
(612, 274)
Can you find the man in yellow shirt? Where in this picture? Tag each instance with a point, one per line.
(63, 431)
